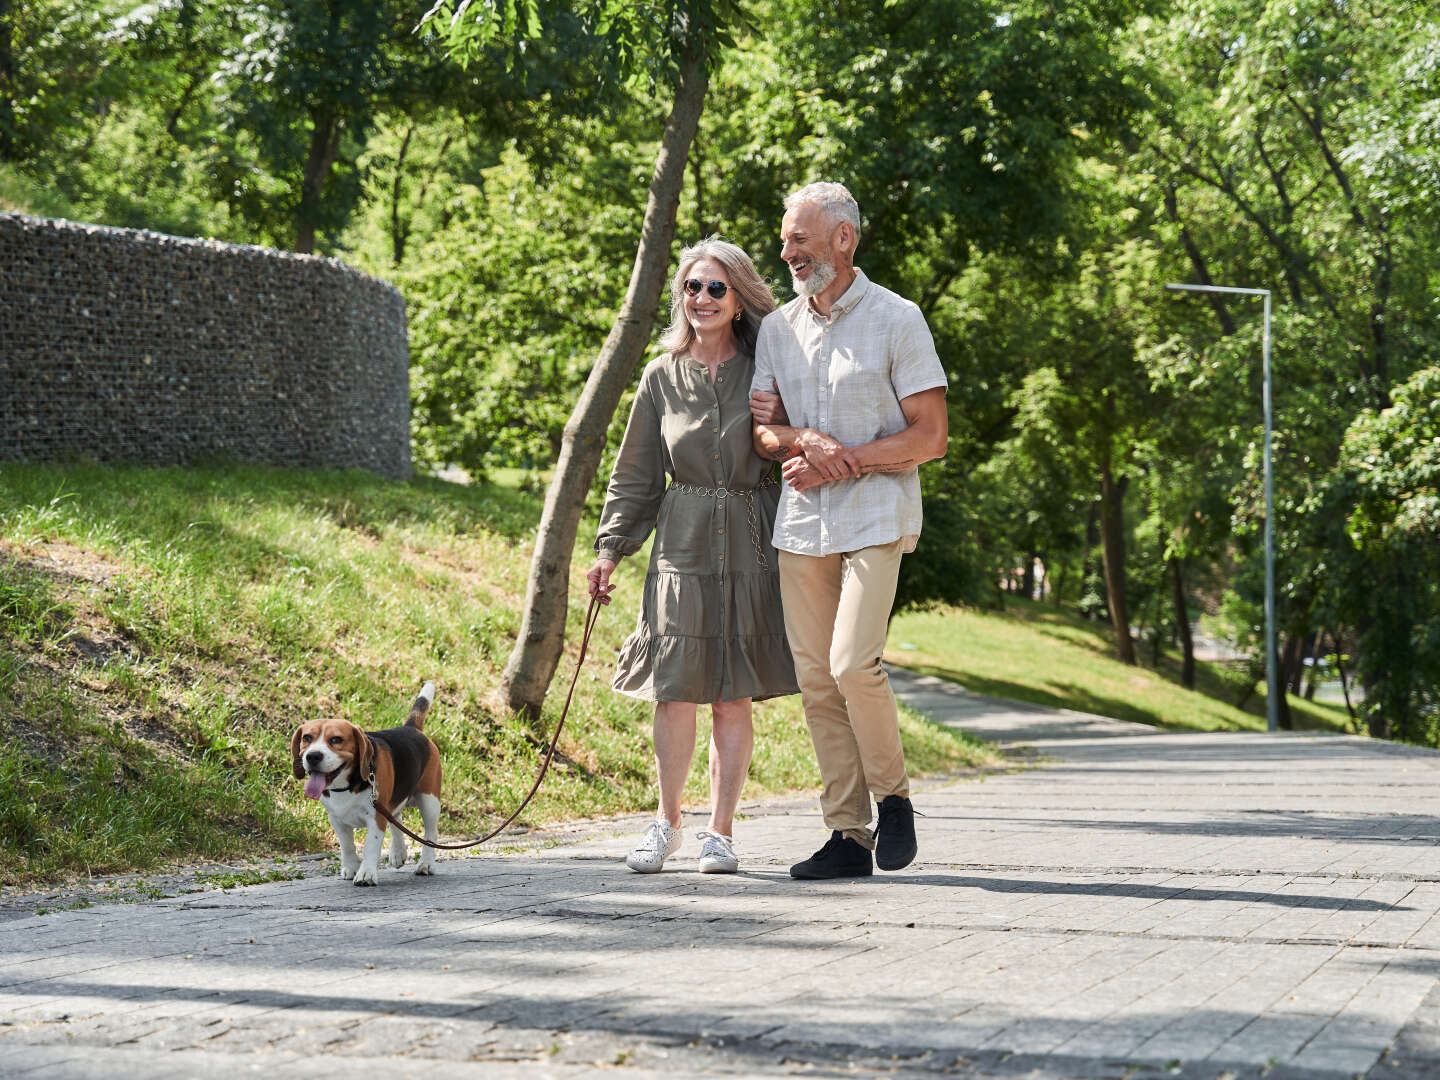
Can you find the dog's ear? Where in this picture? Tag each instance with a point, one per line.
(295, 754)
(364, 755)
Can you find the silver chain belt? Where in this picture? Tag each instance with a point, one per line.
(748, 494)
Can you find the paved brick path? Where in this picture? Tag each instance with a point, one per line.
(1145, 904)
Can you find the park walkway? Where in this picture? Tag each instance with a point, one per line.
(1142, 904)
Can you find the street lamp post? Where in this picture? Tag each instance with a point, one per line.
(1272, 675)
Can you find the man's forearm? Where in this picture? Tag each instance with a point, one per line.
(899, 465)
(900, 452)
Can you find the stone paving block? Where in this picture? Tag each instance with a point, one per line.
(1271, 1038)
(1155, 898)
(1351, 1046)
(38, 1061)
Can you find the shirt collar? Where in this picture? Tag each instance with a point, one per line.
(852, 296)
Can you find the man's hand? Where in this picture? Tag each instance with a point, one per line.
(767, 408)
(830, 459)
(800, 474)
(599, 579)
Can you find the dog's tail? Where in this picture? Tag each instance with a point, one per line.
(416, 719)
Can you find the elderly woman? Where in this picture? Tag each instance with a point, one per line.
(711, 630)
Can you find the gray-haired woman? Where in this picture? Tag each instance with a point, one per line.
(711, 630)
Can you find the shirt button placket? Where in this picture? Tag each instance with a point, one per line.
(822, 399)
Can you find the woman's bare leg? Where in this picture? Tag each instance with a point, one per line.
(674, 747)
(732, 738)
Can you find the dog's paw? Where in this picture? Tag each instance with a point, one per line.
(398, 855)
(425, 869)
(366, 877)
(347, 872)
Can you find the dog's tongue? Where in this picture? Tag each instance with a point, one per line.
(315, 786)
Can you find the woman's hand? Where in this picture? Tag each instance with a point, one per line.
(599, 578)
(767, 408)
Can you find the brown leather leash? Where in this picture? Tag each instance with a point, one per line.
(591, 617)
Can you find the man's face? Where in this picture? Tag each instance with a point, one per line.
(808, 246)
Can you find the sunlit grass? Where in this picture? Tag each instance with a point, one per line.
(162, 632)
(1046, 655)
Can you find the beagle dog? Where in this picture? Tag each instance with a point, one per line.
(354, 771)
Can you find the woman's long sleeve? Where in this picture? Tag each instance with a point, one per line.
(637, 483)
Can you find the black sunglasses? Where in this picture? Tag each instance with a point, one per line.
(716, 289)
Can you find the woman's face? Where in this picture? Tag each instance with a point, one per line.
(706, 313)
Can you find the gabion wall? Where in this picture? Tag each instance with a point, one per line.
(121, 345)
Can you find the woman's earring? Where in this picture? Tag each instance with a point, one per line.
(738, 315)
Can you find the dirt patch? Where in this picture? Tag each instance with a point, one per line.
(65, 562)
(15, 903)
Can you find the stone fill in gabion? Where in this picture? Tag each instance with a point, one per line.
(123, 345)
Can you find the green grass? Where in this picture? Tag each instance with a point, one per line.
(163, 631)
(1050, 656)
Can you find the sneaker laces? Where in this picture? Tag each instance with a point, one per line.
(654, 838)
(884, 811)
(830, 847)
(715, 844)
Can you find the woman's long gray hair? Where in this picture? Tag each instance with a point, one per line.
(756, 300)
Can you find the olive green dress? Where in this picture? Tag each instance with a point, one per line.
(711, 627)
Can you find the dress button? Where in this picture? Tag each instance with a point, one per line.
(722, 555)
(714, 457)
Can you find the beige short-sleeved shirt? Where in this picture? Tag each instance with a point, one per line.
(845, 376)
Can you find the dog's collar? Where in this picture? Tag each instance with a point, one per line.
(360, 785)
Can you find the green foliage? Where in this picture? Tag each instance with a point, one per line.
(640, 40)
(1386, 582)
(511, 299)
(1030, 176)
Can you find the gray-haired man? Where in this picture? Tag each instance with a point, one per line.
(861, 404)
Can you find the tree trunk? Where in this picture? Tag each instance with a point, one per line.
(537, 649)
(399, 231)
(324, 147)
(1092, 538)
(7, 84)
(1182, 625)
(1293, 664)
(1291, 649)
(1112, 540)
(1344, 683)
(1027, 582)
(1313, 675)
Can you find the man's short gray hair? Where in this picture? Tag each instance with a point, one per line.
(834, 199)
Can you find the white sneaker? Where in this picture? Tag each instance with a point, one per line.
(658, 844)
(717, 856)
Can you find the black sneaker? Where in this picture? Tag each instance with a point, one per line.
(895, 833)
(840, 857)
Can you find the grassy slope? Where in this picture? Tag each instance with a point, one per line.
(1042, 654)
(162, 631)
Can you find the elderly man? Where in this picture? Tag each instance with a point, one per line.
(860, 405)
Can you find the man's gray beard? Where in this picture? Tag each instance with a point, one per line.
(821, 275)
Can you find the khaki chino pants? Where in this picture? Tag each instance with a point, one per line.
(837, 608)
